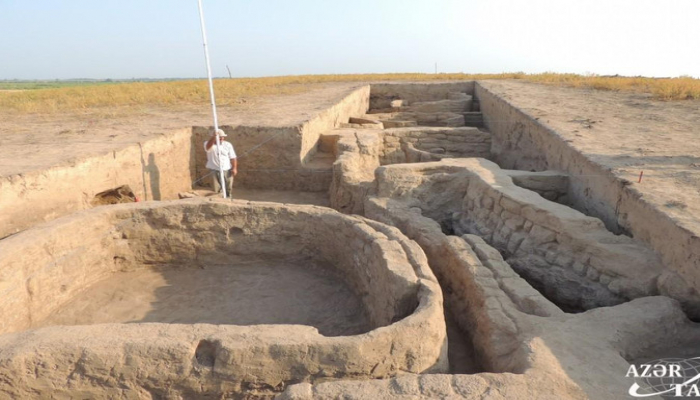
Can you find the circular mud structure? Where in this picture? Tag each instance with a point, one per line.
(197, 297)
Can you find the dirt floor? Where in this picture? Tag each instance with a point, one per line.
(460, 351)
(248, 292)
(282, 196)
(39, 141)
(627, 132)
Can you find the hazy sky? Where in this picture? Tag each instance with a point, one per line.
(49, 39)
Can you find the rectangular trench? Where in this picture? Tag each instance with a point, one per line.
(522, 142)
(160, 168)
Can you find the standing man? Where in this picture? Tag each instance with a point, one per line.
(229, 163)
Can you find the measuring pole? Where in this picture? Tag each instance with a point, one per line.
(222, 181)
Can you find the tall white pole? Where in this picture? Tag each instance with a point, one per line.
(213, 99)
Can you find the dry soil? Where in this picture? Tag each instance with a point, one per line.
(247, 292)
(38, 141)
(627, 132)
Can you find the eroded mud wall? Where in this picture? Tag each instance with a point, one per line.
(384, 93)
(42, 268)
(268, 157)
(569, 257)
(277, 157)
(355, 104)
(156, 169)
(522, 142)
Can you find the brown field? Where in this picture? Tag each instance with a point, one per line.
(240, 90)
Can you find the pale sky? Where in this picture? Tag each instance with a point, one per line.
(121, 39)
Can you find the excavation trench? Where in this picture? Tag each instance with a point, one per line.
(420, 171)
(300, 291)
(529, 214)
(569, 257)
(250, 298)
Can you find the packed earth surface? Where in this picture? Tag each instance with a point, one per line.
(476, 239)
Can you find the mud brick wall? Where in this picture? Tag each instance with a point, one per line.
(156, 169)
(353, 171)
(570, 257)
(42, 268)
(382, 94)
(551, 185)
(461, 142)
(276, 157)
(361, 151)
(467, 269)
(545, 254)
(354, 104)
(522, 142)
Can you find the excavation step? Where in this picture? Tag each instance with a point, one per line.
(473, 118)
(321, 161)
(362, 126)
(399, 124)
(363, 121)
(327, 141)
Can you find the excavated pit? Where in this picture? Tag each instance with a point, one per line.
(568, 257)
(243, 300)
(303, 292)
(242, 292)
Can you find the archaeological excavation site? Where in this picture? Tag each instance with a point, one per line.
(383, 241)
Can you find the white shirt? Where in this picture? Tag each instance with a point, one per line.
(227, 153)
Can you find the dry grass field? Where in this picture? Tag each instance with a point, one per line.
(235, 91)
(681, 88)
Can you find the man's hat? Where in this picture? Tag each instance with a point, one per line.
(221, 133)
